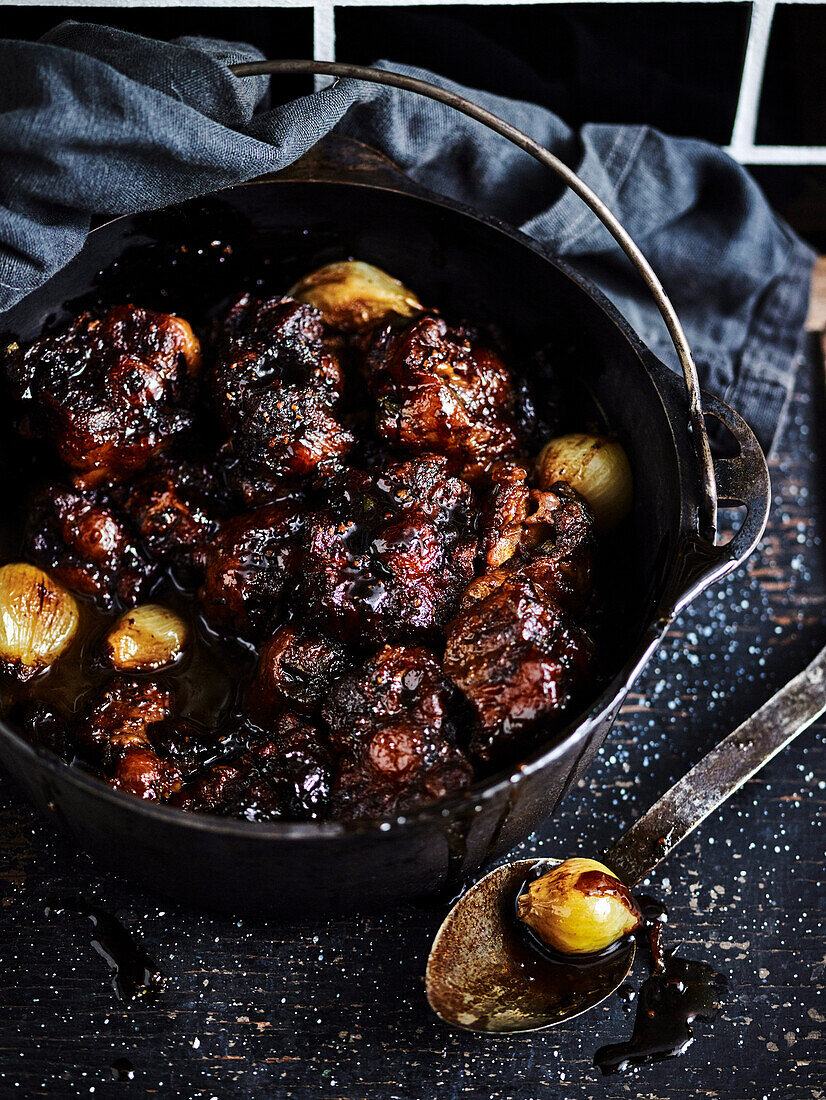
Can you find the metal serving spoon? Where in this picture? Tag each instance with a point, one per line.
(480, 975)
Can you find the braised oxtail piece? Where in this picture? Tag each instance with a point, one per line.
(514, 648)
(275, 385)
(441, 389)
(84, 539)
(116, 729)
(284, 773)
(110, 392)
(514, 516)
(389, 557)
(391, 722)
(247, 567)
(175, 508)
(192, 748)
(296, 670)
(271, 341)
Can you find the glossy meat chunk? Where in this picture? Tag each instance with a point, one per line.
(275, 384)
(563, 530)
(190, 747)
(175, 507)
(266, 342)
(440, 389)
(110, 392)
(116, 729)
(558, 523)
(285, 774)
(513, 648)
(295, 672)
(517, 658)
(120, 713)
(82, 538)
(249, 487)
(391, 722)
(390, 555)
(247, 567)
(289, 432)
(504, 514)
(145, 774)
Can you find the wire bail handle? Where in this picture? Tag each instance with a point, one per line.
(696, 422)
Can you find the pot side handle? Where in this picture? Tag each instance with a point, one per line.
(742, 479)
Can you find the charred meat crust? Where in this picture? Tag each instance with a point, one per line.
(276, 384)
(390, 720)
(440, 389)
(110, 392)
(514, 649)
(389, 556)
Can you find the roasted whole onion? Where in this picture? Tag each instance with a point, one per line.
(352, 295)
(146, 639)
(597, 467)
(38, 620)
(579, 907)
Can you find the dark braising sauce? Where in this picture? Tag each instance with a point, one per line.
(206, 680)
(134, 973)
(655, 917)
(669, 1002)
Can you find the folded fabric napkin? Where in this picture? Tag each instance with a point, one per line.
(95, 122)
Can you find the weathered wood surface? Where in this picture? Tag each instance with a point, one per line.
(816, 321)
(337, 1009)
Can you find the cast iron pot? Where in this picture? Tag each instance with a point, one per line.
(342, 204)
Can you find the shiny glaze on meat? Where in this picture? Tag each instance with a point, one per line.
(110, 392)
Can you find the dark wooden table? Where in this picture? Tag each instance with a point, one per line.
(337, 1009)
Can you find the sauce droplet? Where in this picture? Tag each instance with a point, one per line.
(123, 1070)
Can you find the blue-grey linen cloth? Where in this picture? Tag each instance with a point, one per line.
(95, 122)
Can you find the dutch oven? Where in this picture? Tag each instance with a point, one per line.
(344, 202)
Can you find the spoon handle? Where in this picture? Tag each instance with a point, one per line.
(720, 773)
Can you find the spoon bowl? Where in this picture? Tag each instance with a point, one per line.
(482, 977)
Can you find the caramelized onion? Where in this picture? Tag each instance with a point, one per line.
(354, 295)
(597, 467)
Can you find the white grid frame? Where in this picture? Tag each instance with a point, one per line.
(743, 145)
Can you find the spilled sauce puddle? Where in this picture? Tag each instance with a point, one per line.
(676, 993)
(134, 973)
(669, 1001)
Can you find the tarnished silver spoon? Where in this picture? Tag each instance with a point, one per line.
(482, 977)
